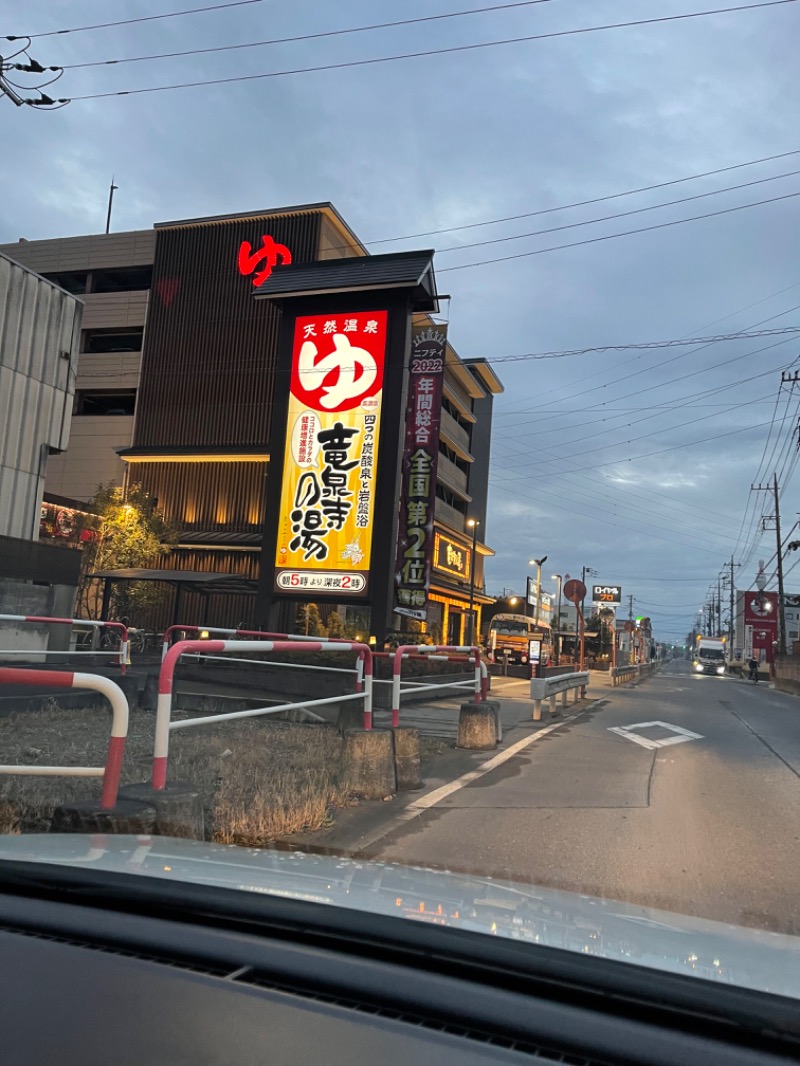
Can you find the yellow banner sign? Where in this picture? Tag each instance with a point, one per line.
(331, 453)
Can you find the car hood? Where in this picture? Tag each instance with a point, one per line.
(609, 929)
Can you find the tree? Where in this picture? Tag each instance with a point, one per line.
(335, 626)
(308, 621)
(128, 532)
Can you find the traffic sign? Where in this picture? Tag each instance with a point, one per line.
(575, 591)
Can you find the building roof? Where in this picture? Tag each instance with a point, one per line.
(482, 369)
(395, 270)
(324, 208)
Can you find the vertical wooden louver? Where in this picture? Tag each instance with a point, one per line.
(209, 351)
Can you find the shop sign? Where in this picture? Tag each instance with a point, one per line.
(420, 460)
(260, 262)
(761, 624)
(412, 612)
(64, 524)
(331, 454)
(606, 594)
(451, 557)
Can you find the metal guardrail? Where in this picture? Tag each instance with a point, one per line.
(477, 685)
(120, 654)
(548, 688)
(112, 770)
(621, 674)
(230, 648)
(633, 672)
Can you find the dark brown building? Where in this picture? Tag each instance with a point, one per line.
(175, 391)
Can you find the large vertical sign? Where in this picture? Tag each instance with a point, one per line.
(332, 437)
(761, 619)
(415, 538)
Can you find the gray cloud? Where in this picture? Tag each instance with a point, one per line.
(449, 140)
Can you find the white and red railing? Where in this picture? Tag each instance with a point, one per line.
(237, 634)
(478, 684)
(120, 654)
(228, 650)
(112, 770)
(258, 634)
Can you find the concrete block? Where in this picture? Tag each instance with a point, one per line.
(86, 816)
(350, 716)
(178, 808)
(368, 763)
(407, 758)
(477, 727)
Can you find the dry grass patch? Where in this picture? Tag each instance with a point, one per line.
(260, 779)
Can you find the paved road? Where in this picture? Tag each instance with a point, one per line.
(708, 825)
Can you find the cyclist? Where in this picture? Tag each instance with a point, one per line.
(753, 668)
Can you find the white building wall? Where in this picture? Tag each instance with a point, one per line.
(39, 341)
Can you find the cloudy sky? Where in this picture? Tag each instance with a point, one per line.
(635, 462)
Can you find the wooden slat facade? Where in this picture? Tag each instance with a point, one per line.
(209, 352)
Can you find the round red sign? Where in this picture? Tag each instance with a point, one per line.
(575, 591)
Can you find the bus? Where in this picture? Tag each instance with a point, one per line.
(518, 639)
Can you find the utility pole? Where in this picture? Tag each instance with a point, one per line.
(630, 631)
(731, 629)
(719, 608)
(773, 488)
(781, 626)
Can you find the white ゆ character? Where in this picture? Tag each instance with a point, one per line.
(356, 371)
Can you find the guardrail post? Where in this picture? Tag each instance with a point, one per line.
(368, 687)
(537, 710)
(115, 753)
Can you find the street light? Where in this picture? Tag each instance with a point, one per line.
(473, 524)
(557, 638)
(538, 563)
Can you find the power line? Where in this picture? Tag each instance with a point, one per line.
(310, 36)
(143, 18)
(679, 401)
(629, 362)
(588, 203)
(618, 214)
(678, 404)
(577, 470)
(648, 345)
(663, 451)
(451, 50)
(613, 236)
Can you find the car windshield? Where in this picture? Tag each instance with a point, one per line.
(516, 629)
(410, 374)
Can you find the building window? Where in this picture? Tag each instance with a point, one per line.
(125, 279)
(454, 458)
(73, 281)
(454, 412)
(96, 341)
(105, 402)
(451, 499)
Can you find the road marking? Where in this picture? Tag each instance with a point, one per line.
(681, 735)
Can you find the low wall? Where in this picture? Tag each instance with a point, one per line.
(786, 674)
